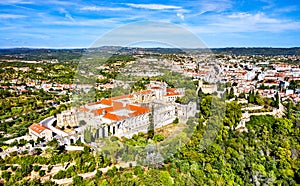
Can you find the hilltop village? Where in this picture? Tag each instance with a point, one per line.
(125, 115)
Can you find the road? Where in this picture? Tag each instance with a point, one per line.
(48, 122)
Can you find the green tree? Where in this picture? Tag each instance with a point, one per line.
(233, 114)
(42, 173)
(77, 180)
(251, 97)
(289, 109)
(277, 101)
(36, 168)
(158, 137)
(138, 171)
(60, 175)
(6, 175)
(258, 99)
(231, 93)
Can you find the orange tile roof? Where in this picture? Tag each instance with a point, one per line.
(144, 92)
(173, 94)
(121, 97)
(137, 108)
(107, 101)
(243, 73)
(38, 128)
(117, 105)
(100, 111)
(137, 111)
(114, 117)
(171, 89)
(156, 88)
(82, 109)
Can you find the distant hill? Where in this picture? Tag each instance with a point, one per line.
(38, 54)
(258, 51)
(69, 54)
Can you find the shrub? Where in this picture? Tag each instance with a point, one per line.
(158, 137)
(98, 174)
(141, 134)
(42, 173)
(36, 168)
(13, 168)
(6, 175)
(77, 180)
(49, 168)
(60, 175)
(138, 170)
(176, 121)
(114, 138)
(135, 137)
(3, 167)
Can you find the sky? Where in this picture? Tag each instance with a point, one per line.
(217, 23)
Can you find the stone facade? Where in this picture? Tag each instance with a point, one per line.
(67, 118)
(129, 114)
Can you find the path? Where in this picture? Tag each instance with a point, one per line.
(87, 175)
(48, 122)
(246, 116)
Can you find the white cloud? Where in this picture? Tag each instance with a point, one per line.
(67, 14)
(286, 9)
(6, 2)
(180, 15)
(240, 22)
(11, 16)
(109, 22)
(150, 32)
(252, 18)
(270, 4)
(178, 10)
(154, 6)
(98, 8)
(214, 5)
(201, 7)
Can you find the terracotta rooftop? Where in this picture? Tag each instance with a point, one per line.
(100, 111)
(114, 117)
(109, 101)
(144, 92)
(82, 109)
(38, 128)
(137, 110)
(156, 88)
(173, 94)
(171, 89)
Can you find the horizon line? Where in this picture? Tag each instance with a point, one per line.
(140, 47)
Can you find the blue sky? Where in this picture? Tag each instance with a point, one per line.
(218, 23)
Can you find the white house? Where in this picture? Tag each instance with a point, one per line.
(37, 130)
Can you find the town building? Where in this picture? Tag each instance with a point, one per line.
(129, 114)
(67, 118)
(37, 130)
